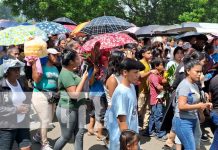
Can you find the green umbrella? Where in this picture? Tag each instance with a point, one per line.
(18, 35)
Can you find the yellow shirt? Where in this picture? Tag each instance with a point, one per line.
(144, 87)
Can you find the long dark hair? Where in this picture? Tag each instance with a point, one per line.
(127, 137)
(115, 60)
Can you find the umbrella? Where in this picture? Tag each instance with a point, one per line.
(70, 27)
(106, 24)
(51, 28)
(7, 23)
(186, 36)
(108, 41)
(18, 35)
(79, 27)
(146, 30)
(65, 21)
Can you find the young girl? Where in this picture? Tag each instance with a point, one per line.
(129, 140)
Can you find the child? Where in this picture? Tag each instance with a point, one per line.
(129, 140)
(156, 82)
(123, 113)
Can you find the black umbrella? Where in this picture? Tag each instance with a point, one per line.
(146, 30)
(186, 36)
(106, 24)
(65, 21)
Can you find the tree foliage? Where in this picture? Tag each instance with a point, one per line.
(139, 12)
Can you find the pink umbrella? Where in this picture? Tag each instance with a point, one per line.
(70, 27)
(108, 41)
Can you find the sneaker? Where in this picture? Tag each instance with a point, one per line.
(37, 138)
(46, 147)
(204, 138)
(163, 138)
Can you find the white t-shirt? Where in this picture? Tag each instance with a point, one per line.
(124, 102)
(18, 97)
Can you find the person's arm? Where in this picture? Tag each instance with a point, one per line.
(35, 75)
(155, 82)
(144, 74)
(92, 79)
(184, 106)
(74, 91)
(111, 85)
(121, 119)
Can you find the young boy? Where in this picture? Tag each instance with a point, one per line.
(123, 113)
(143, 99)
(156, 82)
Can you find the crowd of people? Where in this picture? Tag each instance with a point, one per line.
(161, 87)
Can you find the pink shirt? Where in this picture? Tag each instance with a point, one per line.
(154, 81)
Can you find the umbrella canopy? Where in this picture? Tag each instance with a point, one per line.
(146, 30)
(51, 28)
(70, 27)
(108, 41)
(79, 28)
(188, 35)
(7, 23)
(18, 35)
(106, 24)
(65, 21)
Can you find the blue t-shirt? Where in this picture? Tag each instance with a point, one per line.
(97, 88)
(49, 78)
(124, 102)
(191, 91)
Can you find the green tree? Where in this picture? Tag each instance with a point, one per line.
(5, 12)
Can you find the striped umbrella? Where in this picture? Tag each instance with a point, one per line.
(106, 24)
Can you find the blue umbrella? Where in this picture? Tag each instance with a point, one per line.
(106, 24)
(51, 28)
(8, 23)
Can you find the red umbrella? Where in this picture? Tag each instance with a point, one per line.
(108, 41)
(70, 27)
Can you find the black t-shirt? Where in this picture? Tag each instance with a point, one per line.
(213, 88)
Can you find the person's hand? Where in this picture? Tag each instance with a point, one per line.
(23, 109)
(209, 106)
(202, 106)
(32, 62)
(96, 69)
(154, 71)
(85, 74)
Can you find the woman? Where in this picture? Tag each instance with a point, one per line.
(178, 54)
(70, 85)
(61, 45)
(13, 108)
(113, 77)
(188, 103)
(44, 84)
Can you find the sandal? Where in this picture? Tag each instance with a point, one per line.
(102, 138)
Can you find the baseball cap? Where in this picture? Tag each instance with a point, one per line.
(52, 51)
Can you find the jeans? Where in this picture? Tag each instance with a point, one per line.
(68, 120)
(155, 119)
(214, 117)
(185, 131)
(21, 136)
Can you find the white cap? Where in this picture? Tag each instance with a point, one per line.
(11, 63)
(52, 51)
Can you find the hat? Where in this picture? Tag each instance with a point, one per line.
(52, 51)
(11, 63)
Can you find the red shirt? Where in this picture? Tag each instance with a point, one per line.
(154, 81)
